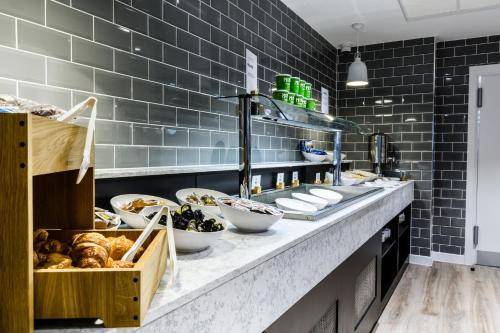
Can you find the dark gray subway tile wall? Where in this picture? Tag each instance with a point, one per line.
(154, 66)
(453, 59)
(402, 74)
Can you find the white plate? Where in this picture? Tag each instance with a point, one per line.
(184, 193)
(331, 196)
(318, 202)
(134, 220)
(295, 205)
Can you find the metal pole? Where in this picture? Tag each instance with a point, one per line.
(337, 158)
(245, 166)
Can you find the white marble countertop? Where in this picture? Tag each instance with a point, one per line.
(237, 258)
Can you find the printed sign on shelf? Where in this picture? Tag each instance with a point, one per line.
(325, 97)
(251, 65)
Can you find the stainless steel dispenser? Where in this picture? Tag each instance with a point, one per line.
(378, 150)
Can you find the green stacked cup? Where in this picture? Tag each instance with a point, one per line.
(283, 81)
(281, 95)
(311, 104)
(302, 87)
(291, 98)
(307, 90)
(299, 100)
(294, 84)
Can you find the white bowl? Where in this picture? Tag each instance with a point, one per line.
(331, 196)
(191, 241)
(132, 219)
(329, 156)
(295, 205)
(313, 157)
(248, 221)
(184, 193)
(317, 202)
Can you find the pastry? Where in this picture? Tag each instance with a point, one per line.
(92, 237)
(118, 263)
(57, 261)
(53, 245)
(40, 235)
(90, 250)
(87, 250)
(119, 246)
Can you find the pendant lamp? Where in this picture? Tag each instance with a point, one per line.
(357, 75)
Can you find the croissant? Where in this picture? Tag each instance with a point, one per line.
(40, 235)
(57, 261)
(119, 246)
(90, 250)
(53, 245)
(38, 258)
(118, 263)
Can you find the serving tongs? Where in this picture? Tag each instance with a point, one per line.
(151, 225)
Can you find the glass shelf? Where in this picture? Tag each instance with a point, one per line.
(275, 111)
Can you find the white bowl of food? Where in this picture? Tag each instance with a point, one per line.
(249, 215)
(318, 202)
(313, 157)
(200, 198)
(331, 196)
(194, 230)
(295, 205)
(330, 156)
(128, 206)
(105, 220)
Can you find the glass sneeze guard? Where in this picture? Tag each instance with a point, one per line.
(276, 111)
(264, 108)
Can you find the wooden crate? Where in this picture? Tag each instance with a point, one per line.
(39, 163)
(120, 297)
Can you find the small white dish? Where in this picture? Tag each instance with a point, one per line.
(313, 157)
(332, 196)
(295, 205)
(248, 221)
(184, 193)
(318, 202)
(134, 220)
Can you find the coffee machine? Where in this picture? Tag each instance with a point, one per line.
(378, 151)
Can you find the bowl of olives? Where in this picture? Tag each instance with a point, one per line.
(194, 230)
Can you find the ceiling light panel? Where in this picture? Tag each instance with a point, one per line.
(413, 9)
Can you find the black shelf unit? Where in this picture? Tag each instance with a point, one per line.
(395, 252)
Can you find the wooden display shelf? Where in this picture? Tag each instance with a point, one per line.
(39, 163)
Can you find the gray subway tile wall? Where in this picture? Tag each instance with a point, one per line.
(155, 65)
(399, 102)
(453, 59)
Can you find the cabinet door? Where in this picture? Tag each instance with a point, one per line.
(316, 312)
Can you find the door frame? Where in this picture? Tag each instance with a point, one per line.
(475, 72)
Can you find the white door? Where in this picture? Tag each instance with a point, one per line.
(488, 170)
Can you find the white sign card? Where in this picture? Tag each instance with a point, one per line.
(325, 97)
(281, 178)
(251, 71)
(318, 177)
(295, 175)
(256, 181)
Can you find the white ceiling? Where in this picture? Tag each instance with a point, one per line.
(393, 20)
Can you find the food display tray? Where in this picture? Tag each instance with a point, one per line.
(351, 195)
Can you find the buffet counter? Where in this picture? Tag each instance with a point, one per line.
(244, 282)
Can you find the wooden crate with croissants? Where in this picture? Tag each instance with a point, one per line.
(40, 160)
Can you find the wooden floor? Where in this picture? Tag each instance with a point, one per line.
(444, 298)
